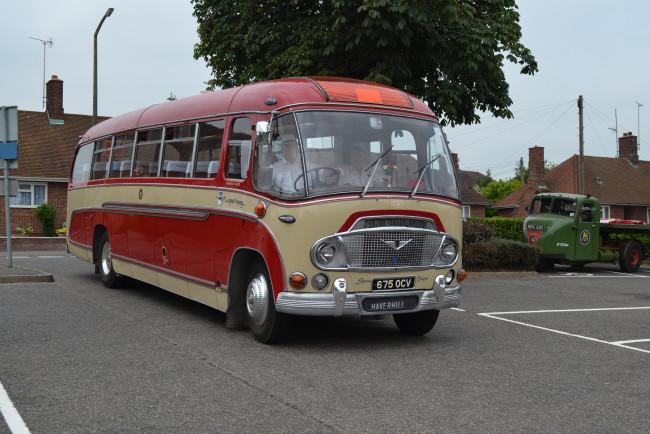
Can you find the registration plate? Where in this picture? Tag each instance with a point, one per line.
(383, 304)
(392, 283)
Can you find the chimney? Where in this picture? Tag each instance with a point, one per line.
(627, 148)
(54, 96)
(535, 165)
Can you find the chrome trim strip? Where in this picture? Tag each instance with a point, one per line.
(167, 271)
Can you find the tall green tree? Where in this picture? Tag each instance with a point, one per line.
(450, 53)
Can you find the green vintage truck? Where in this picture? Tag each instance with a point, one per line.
(568, 229)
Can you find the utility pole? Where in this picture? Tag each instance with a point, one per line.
(521, 169)
(638, 125)
(581, 179)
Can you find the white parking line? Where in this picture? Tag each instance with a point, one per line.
(620, 344)
(10, 414)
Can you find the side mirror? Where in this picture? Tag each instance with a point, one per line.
(263, 132)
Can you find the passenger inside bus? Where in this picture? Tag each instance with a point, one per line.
(354, 171)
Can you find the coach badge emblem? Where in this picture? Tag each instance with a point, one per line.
(396, 245)
(140, 194)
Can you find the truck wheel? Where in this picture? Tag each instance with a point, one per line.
(266, 324)
(631, 256)
(105, 262)
(416, 323)
(545, 265)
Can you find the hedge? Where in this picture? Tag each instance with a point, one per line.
(506, 228)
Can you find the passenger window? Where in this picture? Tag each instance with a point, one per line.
(208, 150)
(177, 156)
(122, 156)
(147, 151)
(101, 157)
(81, 169)
(239, 148)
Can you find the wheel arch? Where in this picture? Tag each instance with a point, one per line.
(97, 233)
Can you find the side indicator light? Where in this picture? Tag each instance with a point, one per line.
(462, 275)
(260, 210)
(298, 280)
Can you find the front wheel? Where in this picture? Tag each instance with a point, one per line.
(104, 259)
(416, 323)
(631, 256)
(266, 324)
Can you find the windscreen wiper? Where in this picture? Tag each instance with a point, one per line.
(421, 172)
(374, 168)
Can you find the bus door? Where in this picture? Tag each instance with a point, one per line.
(228, 227)
(586, 244)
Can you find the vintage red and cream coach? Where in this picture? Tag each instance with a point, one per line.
(302, 196)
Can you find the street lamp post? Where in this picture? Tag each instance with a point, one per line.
(106, 15)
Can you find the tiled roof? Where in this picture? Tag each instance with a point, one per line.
(613, 181)
(45, 150)
(468, 196)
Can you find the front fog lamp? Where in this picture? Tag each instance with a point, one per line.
(325, 254)
(449, 277)
(319, 281)
(448, 253)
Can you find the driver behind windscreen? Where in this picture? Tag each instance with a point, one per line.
(287, 170)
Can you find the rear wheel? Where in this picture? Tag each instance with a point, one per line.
(416, 323)
(631, 256)
(266, 324)
(109, 278)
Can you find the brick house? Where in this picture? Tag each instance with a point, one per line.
(473, 202)
(622, 184)
(46, 144)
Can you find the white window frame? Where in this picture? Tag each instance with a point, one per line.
(604, 212)
(29, 190)
(647, 218)
(467, 211)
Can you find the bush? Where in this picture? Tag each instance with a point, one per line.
(506, 228)
(476, 232)
(643, 239)
(46, 214)
(500, 254)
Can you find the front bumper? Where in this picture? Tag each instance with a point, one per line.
(339, 302)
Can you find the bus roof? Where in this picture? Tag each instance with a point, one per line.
(262, 97)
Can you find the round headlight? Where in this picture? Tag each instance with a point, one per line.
(325, 253)
(449, 253)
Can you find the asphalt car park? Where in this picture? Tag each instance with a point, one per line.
(565, 350)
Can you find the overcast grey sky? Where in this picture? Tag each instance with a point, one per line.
(594, 48)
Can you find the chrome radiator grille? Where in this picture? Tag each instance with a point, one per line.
(391, 248)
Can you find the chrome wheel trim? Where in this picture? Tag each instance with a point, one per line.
(257, 295)
(107, 262)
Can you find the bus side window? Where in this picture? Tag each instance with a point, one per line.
(122, 156)
(239, 148)
(147, 152)
(208, 149)
(82, 162)
(101, 157)
(177, 154)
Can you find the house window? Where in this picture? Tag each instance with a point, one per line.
(29, 195)
(647, 218)
(466, 211)
(604, 212)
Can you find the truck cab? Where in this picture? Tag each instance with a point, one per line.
(565, 227)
